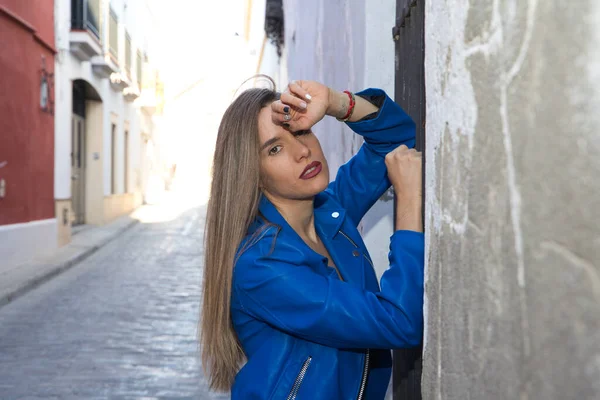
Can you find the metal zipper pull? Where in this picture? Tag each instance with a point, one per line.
(299, 379)
(363, 382)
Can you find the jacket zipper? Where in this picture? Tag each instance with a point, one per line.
(363, 382)
(299, 379)
(356, 246)
(367, 258)
(350, 240)
(365, 375)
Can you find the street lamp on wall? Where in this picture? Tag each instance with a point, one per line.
(46, 89)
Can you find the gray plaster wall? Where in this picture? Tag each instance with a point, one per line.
(513, 200)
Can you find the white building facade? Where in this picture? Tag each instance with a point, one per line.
(107, 94)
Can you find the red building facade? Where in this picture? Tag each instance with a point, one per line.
(26, 111)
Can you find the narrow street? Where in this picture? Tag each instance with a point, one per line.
(120, 325)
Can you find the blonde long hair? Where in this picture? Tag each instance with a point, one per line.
(232, 207)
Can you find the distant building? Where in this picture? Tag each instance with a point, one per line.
(81, 105)
(107, 93)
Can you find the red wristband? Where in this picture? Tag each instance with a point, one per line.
(350, 107)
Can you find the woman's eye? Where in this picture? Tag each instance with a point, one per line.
(274, 150)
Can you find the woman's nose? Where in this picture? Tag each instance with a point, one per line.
(302, 150)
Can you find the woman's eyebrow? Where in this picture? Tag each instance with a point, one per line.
(269, 142)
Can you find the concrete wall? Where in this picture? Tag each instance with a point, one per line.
(513, 213)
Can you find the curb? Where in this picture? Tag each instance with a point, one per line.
(35, 281)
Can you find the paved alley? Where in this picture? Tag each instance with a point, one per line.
(121, 325)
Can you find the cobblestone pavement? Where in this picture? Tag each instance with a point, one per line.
(121, 325)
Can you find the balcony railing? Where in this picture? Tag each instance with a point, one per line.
(85, 15)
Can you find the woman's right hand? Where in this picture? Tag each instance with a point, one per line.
(302, 105)
(404, 168)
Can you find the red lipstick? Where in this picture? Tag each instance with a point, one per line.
(313, 169)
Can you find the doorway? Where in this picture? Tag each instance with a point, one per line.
(78, 169)
(78, 153)
(409, 38)
(126, 162)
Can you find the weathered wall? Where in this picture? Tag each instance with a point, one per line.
(513, 213)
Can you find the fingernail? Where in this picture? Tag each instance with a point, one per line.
(308, 96)
(286, 124)
(286, 109)
(302, 104)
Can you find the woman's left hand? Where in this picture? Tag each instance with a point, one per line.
(302, 104)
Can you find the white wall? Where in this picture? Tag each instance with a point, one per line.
(379, 72)
(18, 240)
(271, 65)
(62, 102)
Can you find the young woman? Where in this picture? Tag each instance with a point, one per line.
(289, 287)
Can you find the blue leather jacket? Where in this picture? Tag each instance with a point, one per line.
(307, 334)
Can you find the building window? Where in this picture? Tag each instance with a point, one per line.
(126, 161)
(79, 98)
(113, 35)
(85, 15)
(44, 93)
(46, 89)
(139, 69)
(128, 54)
(113, 159)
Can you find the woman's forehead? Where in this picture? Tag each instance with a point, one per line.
(267, 129)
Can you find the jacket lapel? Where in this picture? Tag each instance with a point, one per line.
(329, 218)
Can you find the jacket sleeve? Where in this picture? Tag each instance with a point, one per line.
(363, 179)
(301, 302)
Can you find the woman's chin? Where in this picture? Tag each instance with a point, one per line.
(319, 183)
(310, 192)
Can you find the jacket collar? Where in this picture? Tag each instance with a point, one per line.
(329, 216)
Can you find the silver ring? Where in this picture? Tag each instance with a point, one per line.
(287, 117)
